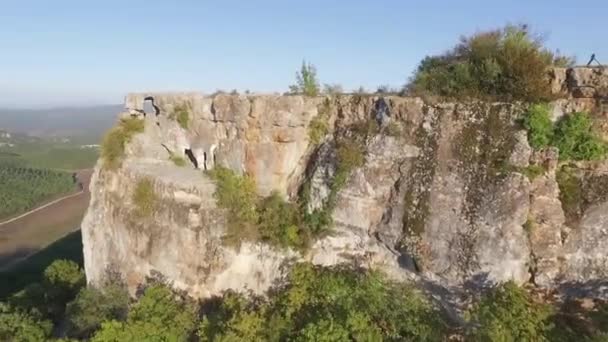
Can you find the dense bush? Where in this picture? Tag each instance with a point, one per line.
(326, 304)
(114, 142)
(509, 63)
(144, 198)
(271, 219)
(22, 188)
(238, 195)
(312, 303)
(538, 123)
(508, 313)
(17, 325)
(575, 138)
(159, 315)
(93, 306)
(573, 135)
(306, 81)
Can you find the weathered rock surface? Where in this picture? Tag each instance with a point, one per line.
(444, 193)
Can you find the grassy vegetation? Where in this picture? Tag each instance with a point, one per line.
(319, 126)
(113, 145)
(509, 63)
(145, 198)
(23, 188)
(181, 115)
(533, 171)
(178, 160)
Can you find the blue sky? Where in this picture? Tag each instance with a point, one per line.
(55, 53)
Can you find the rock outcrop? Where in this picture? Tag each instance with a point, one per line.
(444, 193)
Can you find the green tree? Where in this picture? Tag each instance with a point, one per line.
(508, 314)
(159, 315)
(18, 326)
(306, 80)
(62, 281)
(326, 304)
(93, 306)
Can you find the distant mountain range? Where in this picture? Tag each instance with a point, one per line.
(60, 122)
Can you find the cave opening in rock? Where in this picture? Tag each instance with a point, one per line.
(205, 160)
(191, 157)
(150, 107)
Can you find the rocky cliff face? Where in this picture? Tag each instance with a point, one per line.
(443, 195)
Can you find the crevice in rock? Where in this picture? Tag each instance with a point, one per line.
(191, 157)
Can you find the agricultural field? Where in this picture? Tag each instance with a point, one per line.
(23, 187)
(51, 153)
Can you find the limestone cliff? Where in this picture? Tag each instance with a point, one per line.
(442, 195)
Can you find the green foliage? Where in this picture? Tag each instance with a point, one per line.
(306, 81)
(319, 127)
(145, 198)
(326, 304)
(181, 115)
(114, 142)
(238, 195)
(508, 313)
(271, 219)
(539, 126)
(178, 160)
(533, 171)
(62, 281)
(159, 315)
(18, 326)
(93, 306)
(573, 135)
(576, 140)
(570, 192)
(509, 63)
(23, 188)
(349, 155)
(279, 222)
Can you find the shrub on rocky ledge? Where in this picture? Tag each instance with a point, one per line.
(509, 63)
(145, 198)
(576, 140)
(573, 134)
(113, 144)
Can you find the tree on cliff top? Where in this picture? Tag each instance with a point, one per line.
(509, 63)
(306, 81)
